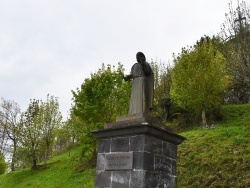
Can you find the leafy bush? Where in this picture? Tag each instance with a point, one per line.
(3, 165)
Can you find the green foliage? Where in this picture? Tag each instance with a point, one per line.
(199, 76)
(31, 131)
(63, 140)
(3, 165)
(163, 105)
(51, 120)
(38, 125)
(102, 97)
(10, 126)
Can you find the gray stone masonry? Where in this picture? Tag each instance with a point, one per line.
(154, 150)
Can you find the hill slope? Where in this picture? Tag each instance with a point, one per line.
(61, 171)
(217, 157)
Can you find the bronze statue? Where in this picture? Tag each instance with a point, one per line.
(141, 101)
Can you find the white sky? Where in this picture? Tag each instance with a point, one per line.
(51, 46)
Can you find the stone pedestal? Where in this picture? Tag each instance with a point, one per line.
(136, 154)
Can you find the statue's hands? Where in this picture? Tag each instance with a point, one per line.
(127, 77)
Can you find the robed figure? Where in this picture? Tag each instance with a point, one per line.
(141, 101)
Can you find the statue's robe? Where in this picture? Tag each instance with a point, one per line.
(142, 89)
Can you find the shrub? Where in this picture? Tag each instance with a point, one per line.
(3, 165)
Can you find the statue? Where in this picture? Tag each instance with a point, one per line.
(141, 101)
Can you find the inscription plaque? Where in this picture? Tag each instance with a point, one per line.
(119, 161)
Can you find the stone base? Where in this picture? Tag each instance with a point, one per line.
(126, 121)
(154, 154)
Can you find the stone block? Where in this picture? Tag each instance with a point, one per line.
(120, 179)
(138, 161)
(169, 150)
(120, 144)
(174, 167)
(163, 164)
(137, 179)
(152, 180)
(166, 180)
(153, 145)
(143, 161)
(137, 143)
(159, 180)
(100, 163)
(104, 146)
(148, 161)
(103, 179)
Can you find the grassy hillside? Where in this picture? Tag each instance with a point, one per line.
(61, 171)
(218, 157)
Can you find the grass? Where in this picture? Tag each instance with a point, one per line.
(61, 171)
(218, 157)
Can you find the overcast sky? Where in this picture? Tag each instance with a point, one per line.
(51, 46)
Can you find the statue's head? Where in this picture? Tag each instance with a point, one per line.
(140, 57)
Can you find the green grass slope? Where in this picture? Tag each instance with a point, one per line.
(218, 157)
(61, 171)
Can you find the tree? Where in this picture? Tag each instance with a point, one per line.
(39, 123)
(163, 83)
(235, 33)
(63, 139)
(10, 125)
(199, 77)
(31, 131)
(51, 120)
(75, 127)
(100, 99)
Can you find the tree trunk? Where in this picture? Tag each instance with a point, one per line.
(12, 166)
(33, 163)
(47, 151)
(13, 160)
(203, 116)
